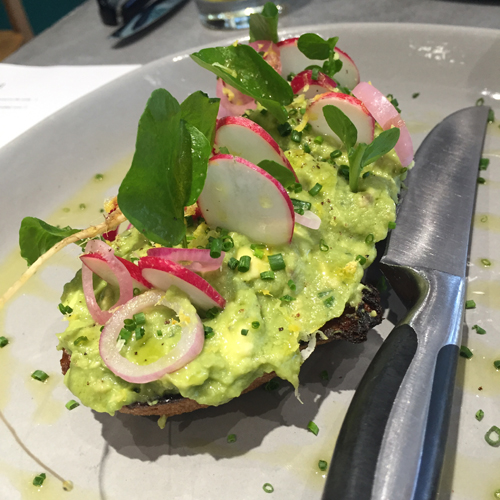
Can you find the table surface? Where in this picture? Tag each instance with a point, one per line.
(81, 38)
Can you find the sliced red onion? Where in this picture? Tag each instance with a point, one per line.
(304, 83)
(100, 258)
(309, 219)
(137, 277)
(194, 259)
(239, 103)
(270, 52)
(163, 273)
(387, 116)
(186, 349)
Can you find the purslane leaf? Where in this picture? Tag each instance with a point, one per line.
(380, 146)
(243, 68)
(201, 111)
(340, 123)
(36, 237)
(157, 187)
(264, 26)
(200, 153)
(355, 166)
(282, 174)
(313, 46)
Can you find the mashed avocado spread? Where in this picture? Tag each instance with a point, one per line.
(260, 328)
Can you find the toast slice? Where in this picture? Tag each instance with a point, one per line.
(352, 325)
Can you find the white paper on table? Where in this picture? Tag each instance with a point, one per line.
(28, 94)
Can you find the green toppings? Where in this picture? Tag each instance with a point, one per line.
(324, 376)
(391, 225)
(212, 313)
(470, 304)
(322, 465)
(296, 136)
(209, 331)
(315, 47)
(72, 404)
(479, 415)
(282, 174)
(276, 262)
(255, 325)
(329, 301)
(139, 333)
(244, 332)
(125, 334)
(335, 154)
(491, 116)
(267, 275)
(479, 330)
(486, 262)
(139, 318)
(264, 26)
(284, 129)
(272, 385)
(3, 341)
(287, 298)
(80, 340)
(484, 163)
(231, 438)
(244, 264)
(258, 250)
(361, 259)
(492, 437)
(323, 246)
(313, 428)
(465, 352)
(39, 375)
(215, 248)
(268, 488)
(369, 239)
(300, 206)
(65, 309)
(38, 481)
(233, 263)
(315, 189)
(292, 285)
(496, 364)
(415, 95)
(481, 180)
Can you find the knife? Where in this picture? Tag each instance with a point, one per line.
(391, 444)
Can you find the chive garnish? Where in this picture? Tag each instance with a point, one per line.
(284, 129)
(38, 481)
(233, 263)
(306, 148)
(329, 301)
(215, 248)
(292, 112)
(335, 154)
(125, 334)
(231, 438)
(479, 415)
(287, 298)
(493, 436)
(99, 177)
(139, 332)
(267, 275)
(136, 292)
(479, 330)
(227, 243)
(322, 294)
(470, 304)
(315, 74)
(319, 139)
(129, 324)
(276, 262)
(244, 264)
(3, 341)
(483, 163)
(159, 333)
(344, 171)
(369, 239)
(268, 488)
(296, 136)
(80, 340)
(315, 189)
(258, 250)
(292, 285)
(465, 352)
(323, 246)
(224, 151)
(39, 375)
(391, 225)
(486, 262)
(324, 376)
(361, 259)
(415, 95)
(491, 116)
(299, 204)
(102, 328)
(72, 404)
(322, 465)
(212, 312)
(209, 331)
(313, 428)
(244, 332)
(496, 364)
(297, 187)
(481, 180)
(255, 325)
(139, 318)
(65, 309)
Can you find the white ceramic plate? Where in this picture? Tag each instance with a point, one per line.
(51, 168)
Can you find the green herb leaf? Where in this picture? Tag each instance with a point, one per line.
(313, 428)
(264, 26)
(282, 174)
(342, 126)
(380, 146)
(356, 165)
(36, 237)
(313, 46)
(38, 480)
(243, 68)
(200, 111)
(158, 185)
(465, 352)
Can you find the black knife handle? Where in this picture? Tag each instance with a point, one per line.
(354, 461)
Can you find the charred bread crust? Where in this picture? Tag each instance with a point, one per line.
(352, 326)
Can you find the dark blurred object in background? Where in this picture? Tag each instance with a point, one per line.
(119, 12)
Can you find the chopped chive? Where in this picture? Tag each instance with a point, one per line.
(491, 116)
(493, 441)
(361, 259)
(276, 262)
(290, 77)
(315, 74)
(319, 139)
(139, 332)
(335, 154)
(306, 148)
(486, 262)
(479, 415)
(227, 243)
(302, 111)
(125, 334)
(366, 174)
(102, 328)
(272, 385)
(99, 177)
(209, 332)
(299, 211)
(324, 376)
(39, 375)
(465, 352)
(136, 292)
(329, 301)
(415, 95)
(267, 275)
(322, 294)
(65, 309)
(244, 264)
(344, 171)
(38, 481)
(215, 248)
(3, 341)
(315, 189)
(284, 129)
(369, 239)
(296, 136)
(496, 364)
(322, 465)
(292, 285)
(484, 218)
(244, 332)
(292, 112)
(470, 304)
(139, 318)
(479, 330)
(255, 325)
(313, 428)
(481, 180)
(80, 340)
(264, 112)
(297, 187)
(129, 323)
(304, 205)
(224, 151)
(231, 438)
(323, 246)
(233, 263)
(287, 298)
(258, 250)
(212, 312)
(391, 225)
(268, 488)
(159, 333)
(483, 163)
(72, 404)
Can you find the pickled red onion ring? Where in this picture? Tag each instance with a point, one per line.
(186, 349)
(270, 51)
(194, 259)
(309, 219)
(116, 269)
(387, 116)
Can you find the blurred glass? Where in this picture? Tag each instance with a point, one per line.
(230, 14)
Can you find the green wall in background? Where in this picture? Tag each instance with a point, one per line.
(42, 13)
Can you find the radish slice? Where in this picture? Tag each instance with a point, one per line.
(240, 196)
(232, 101)
(387, 116)
(163, 273)
(101, 260)
(270, 52)
(348, 76)
(137, 278)
(352, 107)
(309, 219)
(244, 138)
(303, 83)
(186, 349)
(194, 259)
